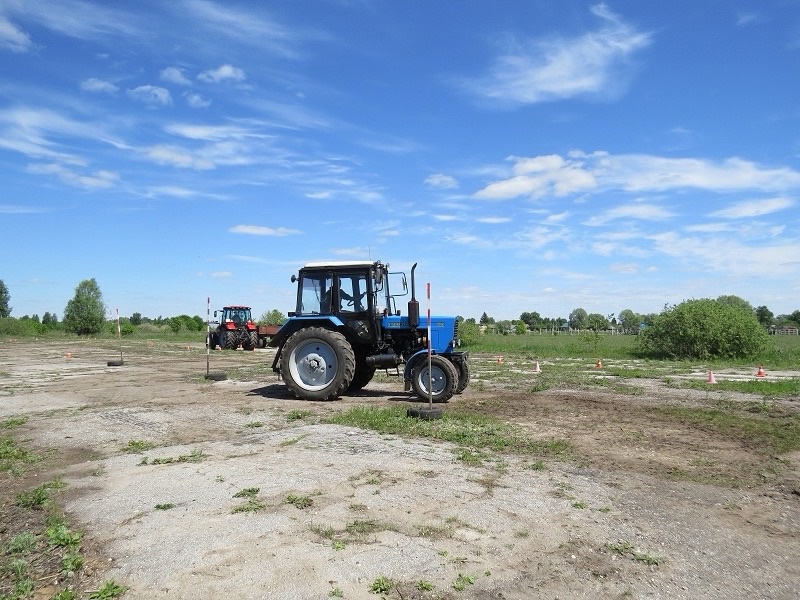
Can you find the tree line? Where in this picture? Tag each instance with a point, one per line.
(626, 321)
(85, 314)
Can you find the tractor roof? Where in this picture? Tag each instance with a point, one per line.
(235, 307)
(338, 264)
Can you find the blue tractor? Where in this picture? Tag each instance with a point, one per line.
(346, 326)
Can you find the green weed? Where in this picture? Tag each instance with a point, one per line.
(300, 502)
(108, 591)
(382, 585)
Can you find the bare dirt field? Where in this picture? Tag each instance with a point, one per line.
(191, 488)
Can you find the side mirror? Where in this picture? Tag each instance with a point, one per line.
(294, 278)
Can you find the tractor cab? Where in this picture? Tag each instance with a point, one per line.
(237, 315)
(346, 290)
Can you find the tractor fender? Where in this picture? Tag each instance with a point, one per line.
(413, 361)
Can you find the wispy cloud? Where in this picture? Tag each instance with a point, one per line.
(12, 37)
(252, 27)
(640, 211)
(222, 73)
(595, 64)
(152, 95)
(261, 230)
(175, 75)
(96, 180)
(98, 85)
(441, 181)
(559, 176)
(755, 208)
(16, 209)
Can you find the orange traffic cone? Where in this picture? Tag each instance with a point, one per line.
(599, 364)
(711, 378)
(537, 368)
(760, 372)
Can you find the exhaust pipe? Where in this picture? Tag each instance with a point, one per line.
(413, 305)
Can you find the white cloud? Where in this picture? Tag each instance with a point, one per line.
(197, 101)
(754, 208)
(732, 256)
(16, 209)
(98, 180)
(221, 274)
(441, 181)
(151, 95)
(558, 176)
(178, 157)
(540, 176)
(12, 38)
(98, 85)
(594, 64)
(223, 73)
(175, 75)
(493, 220)
(641, 211)
(261, 230)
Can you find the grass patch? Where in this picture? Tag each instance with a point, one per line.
(781, 388)
(13, 422)
(194, 456)
(297, 415)
(138, 446)
(778, 431)
(628, 549)
(471, 431)
(300, 502)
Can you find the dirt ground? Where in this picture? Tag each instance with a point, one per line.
(646, 506)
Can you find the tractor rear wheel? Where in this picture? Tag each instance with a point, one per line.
(231, 340)
(252, 339)
(317, 364)
(439, 382)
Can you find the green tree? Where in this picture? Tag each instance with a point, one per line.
(577, 318)
(486, 319)
(764, 316)
(136, 319)
(521, 328)
(86, 312)
(532, 319)
(596, 322)
(629, 321)
(704, 329)
(468, 332)
(272, 317)
(5, 298)
(732, 300)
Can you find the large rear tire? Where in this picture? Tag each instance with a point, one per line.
(231, 340)
(317, 364)
(252, 340)
(442, 376)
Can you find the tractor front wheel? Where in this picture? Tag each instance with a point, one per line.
(439, 382)
(317, 364)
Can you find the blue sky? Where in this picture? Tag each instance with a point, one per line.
(530, 156)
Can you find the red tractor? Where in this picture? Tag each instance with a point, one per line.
(235, 328)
